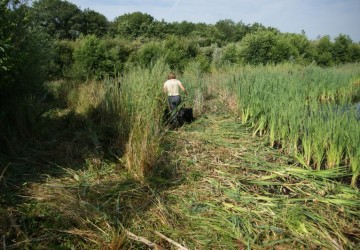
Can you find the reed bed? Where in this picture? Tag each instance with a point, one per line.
(308, 112)
(133, 104)
(144, 104)
(213, 184)
(240, 194)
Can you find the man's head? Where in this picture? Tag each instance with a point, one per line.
(171, 76)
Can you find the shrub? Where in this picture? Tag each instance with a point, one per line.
(179, 51)
(92, 59)
(61, 59)
(266, 46)
(148, 54)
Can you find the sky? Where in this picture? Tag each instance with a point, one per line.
(315, 17)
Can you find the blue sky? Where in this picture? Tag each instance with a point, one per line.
(315, 17)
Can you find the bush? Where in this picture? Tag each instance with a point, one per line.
(178, 52)
(92, 59)
(265, 46)
(226, 55)
(62, 58)
(324, 49)
(148, 54)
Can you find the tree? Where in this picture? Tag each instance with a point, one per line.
(94, 58)
(133, 25)
(226, 31)
(61, 59)
(355, 52)
(6, 37)
(301, 44)
(324, 50)
(241, 30)
(227, 55)
(60, 19)
(342, 49)
(24, 52)
(158, 29)
(178, 51)
(183, 28)
(265, 46)
(93, 22)
(149, 53)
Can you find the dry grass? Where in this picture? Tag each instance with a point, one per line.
(213, 184)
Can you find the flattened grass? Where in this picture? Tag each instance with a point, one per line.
(240, 193)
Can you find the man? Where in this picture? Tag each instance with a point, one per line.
(171, 88)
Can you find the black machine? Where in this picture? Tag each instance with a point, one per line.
(179, 118)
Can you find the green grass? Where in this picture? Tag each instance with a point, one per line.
(236, 178)
(305, 110)
(248, 195)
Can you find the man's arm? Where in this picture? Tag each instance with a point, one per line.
(183, 88)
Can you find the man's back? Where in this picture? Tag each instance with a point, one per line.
(172, 87)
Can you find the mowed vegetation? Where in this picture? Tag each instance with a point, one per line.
(218, 183)
(88, 162)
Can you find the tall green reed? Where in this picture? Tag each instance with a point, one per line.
(304, 110)
(143, 103)
(133, 105)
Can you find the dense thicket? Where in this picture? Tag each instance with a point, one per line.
(55, 39)
(25, 52)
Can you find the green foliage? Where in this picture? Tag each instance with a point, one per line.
(64, 20)
(93, 22)
(324, 50)
(6, 41)
(60, 19)
(183, 28)
(342, 49)
(133, 25)
(158, 29)
(92, 59)
(266, 46)
(118, 52)
(355, 52)
(202, 62)
(176, 51)
(62, 58)
(304, 51)
(24, 52)
(24, 65)
(179, 51)
(227, 31)
(149, 53)
(283, 51)
(256, 47)
(229, 54)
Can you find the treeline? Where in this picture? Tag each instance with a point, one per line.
(86, 44)
(55, 39)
